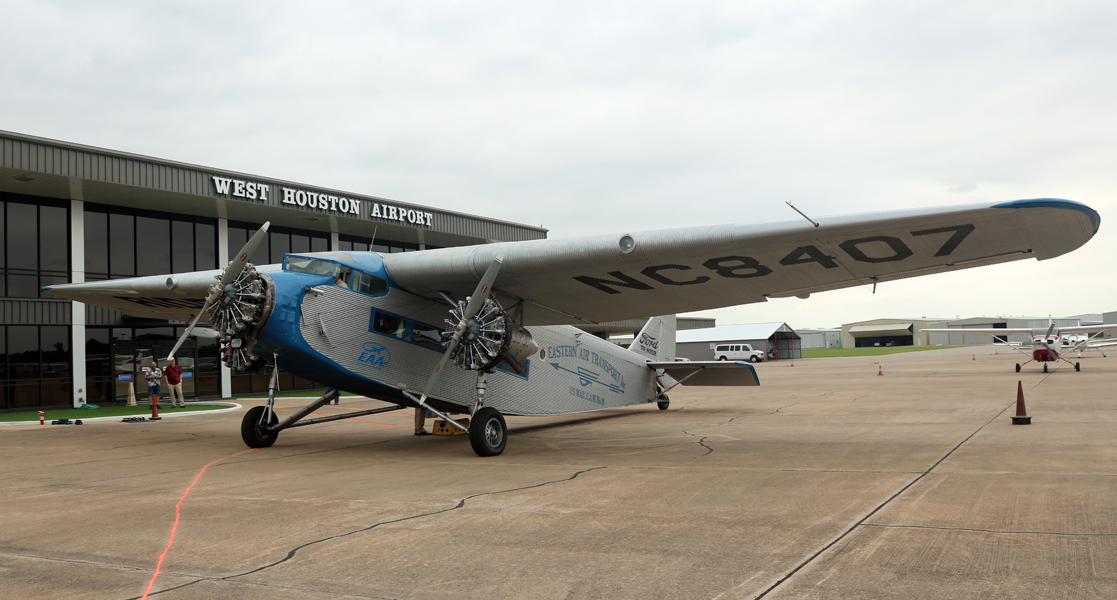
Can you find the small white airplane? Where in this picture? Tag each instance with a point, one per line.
(1049, 346)
(366, 322)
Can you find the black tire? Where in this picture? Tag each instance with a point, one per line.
(1044, 367)
(488, 433)
(664, 404)
(1077, 366)
(723, 358)
(753, 359)
(252, 435)
(1017, 367)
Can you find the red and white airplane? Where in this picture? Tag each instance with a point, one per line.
(1049, 346)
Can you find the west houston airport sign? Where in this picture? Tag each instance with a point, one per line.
(319, 201)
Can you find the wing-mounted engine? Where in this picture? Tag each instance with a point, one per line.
(238, 313)
(489, 338)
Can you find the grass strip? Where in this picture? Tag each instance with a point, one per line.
(105, 411)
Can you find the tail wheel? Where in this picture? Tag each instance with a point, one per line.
(1077, 366)
(664, 404)
(488, 433)
(1045, 368)
(253, 435)
(1017, 367)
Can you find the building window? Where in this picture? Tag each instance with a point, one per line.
(34, 244)
(278, 242)
(124, 243)
(34, 366)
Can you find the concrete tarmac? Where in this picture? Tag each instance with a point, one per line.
(828, 481)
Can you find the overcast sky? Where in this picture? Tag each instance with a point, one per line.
(604, 117)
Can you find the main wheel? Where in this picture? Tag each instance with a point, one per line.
(1017, 367)
(1077, 366)
(251, 432)
(664, 404)
(488, 432)
(753, 359)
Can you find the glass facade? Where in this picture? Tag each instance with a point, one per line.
(34, 366)
(121, 242)
(34, 244)
(36, 358)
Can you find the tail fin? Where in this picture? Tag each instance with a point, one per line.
(657, 339)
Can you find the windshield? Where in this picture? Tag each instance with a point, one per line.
(304, 264)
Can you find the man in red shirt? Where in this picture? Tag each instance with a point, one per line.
(173, 374)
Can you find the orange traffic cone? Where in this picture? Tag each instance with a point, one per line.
(155, 411)
(880, 371)
(1021, 417)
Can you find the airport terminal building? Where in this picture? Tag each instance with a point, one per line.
(73, 213)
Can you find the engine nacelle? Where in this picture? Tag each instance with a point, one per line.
(490, 338)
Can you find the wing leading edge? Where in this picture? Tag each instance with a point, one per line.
(613, 277)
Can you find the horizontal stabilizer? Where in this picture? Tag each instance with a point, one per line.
(710, 372)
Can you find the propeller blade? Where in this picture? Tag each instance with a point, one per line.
(1047, 341)
(231, 273)
(484, 288)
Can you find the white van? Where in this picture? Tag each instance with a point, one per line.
(737, 352)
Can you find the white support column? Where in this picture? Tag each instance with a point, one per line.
(335, 243)
(77, 316)
(222, 261)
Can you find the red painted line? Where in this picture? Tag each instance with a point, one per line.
(178, 507)
(178, 516)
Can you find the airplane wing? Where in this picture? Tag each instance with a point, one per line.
(1089, 328)
(603, 278)
(173, 297)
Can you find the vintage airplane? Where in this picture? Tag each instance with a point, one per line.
(1049, 346)
(367, 323)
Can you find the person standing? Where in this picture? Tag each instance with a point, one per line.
(153, 376)
(421, 421)
(173, 375)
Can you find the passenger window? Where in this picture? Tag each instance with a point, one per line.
(736, 348)
(389, 325)
(426, 336)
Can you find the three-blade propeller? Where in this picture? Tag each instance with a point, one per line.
(231, 273)
(476, 301)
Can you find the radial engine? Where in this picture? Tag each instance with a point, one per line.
(238, 314)
(489, 338)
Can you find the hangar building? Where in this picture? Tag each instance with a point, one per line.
(887, 332)
(777, 340)
(73, 213)
(954, 339)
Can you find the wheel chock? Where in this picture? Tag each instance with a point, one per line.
(132, 420)
(443, 428)
(61, 422)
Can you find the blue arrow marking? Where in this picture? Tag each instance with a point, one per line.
(588, 377)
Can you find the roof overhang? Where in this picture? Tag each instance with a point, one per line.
(881, 330)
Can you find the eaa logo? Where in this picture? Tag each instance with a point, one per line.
(375, 355)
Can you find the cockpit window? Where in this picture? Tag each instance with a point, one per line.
(304, 264)
(367, 284)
